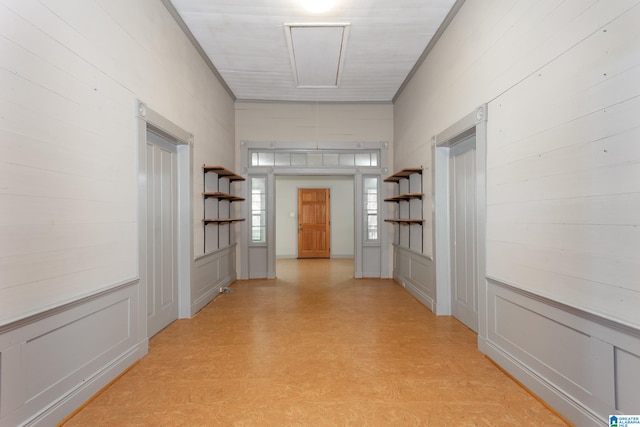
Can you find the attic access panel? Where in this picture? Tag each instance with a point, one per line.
(317, 53)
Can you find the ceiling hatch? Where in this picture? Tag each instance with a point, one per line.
(317, 53)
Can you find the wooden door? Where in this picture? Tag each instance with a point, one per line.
(162, 214)
(464, 280)
(314, 223)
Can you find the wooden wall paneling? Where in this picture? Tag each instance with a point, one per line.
(594, 383)
(371, 261)
(562, 82)
(568, 95)
(627, 378)
(615, 209)
(543, 34)
(257, 262)
(576, 149)
(514, 49)
(11, 378)
(71, 74)
(47, 361)
(416, 273)
(322, 122)
(524, 270)
(212, 272)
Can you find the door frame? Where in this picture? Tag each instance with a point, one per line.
(270, 172)
(473, 123)
(148, 119)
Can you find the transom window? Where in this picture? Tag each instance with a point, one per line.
(332, 158)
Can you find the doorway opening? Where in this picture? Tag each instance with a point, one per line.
(341, 214)
(364, 163)
(460, 219)
(165, 221)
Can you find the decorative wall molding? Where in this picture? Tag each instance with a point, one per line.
(96, 339)
(416, 272)
(582, 365)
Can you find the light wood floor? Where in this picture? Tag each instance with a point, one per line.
(315, 348)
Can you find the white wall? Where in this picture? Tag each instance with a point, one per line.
(70, 74)
(342, 213)
(563, 164)
(307, 122)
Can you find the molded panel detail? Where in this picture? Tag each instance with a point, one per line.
(371, 261)
(585, 366)
(416, 273)
(55, 355)
(53, 362)
(627, 381)
(212, 272)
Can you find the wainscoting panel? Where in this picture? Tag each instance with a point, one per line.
(258, 265)
(53, 362)
(627, 381)
(211, 272)
(371, 261)
(584, 366)
(416, 273)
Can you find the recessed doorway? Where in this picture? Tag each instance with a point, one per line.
(341, 214)
(265, 162)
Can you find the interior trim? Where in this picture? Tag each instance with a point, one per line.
(187, 32)
(51, 311)
(445, 24)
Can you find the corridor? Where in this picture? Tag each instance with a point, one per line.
(315, 348)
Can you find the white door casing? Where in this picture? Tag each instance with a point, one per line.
(265, 159)
(472, 125)
(181, 142)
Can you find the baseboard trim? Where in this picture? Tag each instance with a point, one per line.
(95, 396)
(211, 294)
(528, 390)
(417, 293)
(539, 387)
(85, 392)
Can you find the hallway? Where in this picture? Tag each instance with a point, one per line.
(315, 348)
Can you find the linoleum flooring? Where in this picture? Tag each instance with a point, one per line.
(315, 347)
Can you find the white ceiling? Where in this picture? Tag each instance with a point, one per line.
(246, 42)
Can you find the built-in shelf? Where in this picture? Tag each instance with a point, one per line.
(405, 220)
(410, 210)
(405, 197)
(217, 196)
(221, 220)
(222, 196)
(403, 174)
(223, 172)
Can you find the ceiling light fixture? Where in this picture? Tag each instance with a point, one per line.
(318, 6)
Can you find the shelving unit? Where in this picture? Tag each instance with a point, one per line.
(217, 206)
(410, 210)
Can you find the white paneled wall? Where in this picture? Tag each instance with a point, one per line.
(70, 74)
(291, 122)
(579, 157)
(305, 124)
(562, 79)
